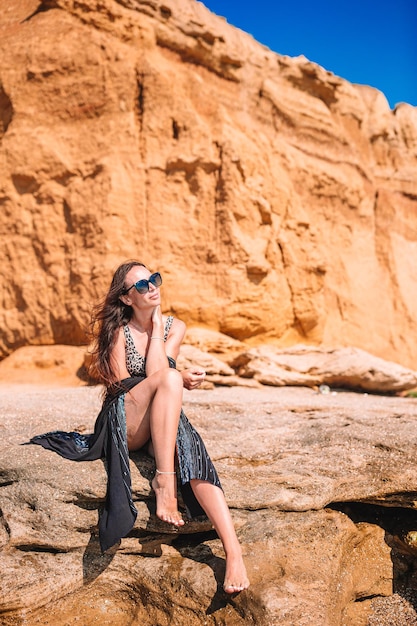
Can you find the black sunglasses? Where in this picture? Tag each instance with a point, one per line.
(142, 286)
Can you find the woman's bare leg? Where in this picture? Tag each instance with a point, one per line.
(212, 500)
(153, 410)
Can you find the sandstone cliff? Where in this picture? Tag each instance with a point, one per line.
(278, 200)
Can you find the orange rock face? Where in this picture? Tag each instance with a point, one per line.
(278, 201)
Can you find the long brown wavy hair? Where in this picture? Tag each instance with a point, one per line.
(106, 319)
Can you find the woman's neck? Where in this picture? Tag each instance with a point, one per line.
(141, 325)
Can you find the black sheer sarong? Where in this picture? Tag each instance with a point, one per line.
(108, 441)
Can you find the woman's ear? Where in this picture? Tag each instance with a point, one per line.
(125, 299)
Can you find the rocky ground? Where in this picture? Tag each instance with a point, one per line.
(320, 487)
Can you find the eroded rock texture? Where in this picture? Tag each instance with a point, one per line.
(278, 200)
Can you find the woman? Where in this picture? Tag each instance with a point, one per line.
(134, 357)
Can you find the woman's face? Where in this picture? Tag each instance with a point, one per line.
(142, 300)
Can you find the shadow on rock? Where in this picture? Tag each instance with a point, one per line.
(94, 561)
(194, 548)
(400, 527)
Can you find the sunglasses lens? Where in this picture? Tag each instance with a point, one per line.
(142, 286)
(156, 279)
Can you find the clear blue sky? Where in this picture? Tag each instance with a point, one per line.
(373, 42)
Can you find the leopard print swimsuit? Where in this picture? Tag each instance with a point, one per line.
(135, 362)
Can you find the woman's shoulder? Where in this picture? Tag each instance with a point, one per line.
(121, 334)
(175, 323)
(175, 326)
(118, 349)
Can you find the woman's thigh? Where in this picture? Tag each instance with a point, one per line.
(138, 402)
(137, 408)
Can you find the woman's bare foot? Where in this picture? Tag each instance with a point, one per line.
(236, 578)
(165, 486)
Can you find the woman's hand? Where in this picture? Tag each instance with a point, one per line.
(193, 377)
(157, 322)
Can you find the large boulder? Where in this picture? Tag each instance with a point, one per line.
(321, 489)
(348, 368)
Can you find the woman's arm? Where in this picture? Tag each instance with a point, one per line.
(158, 349)
(174, 339)
(118, 357)
(193, 376)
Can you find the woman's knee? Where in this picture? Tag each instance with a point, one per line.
(171, 378)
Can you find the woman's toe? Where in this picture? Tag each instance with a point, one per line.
(235, 587)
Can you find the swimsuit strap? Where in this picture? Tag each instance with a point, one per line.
(168, 325)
